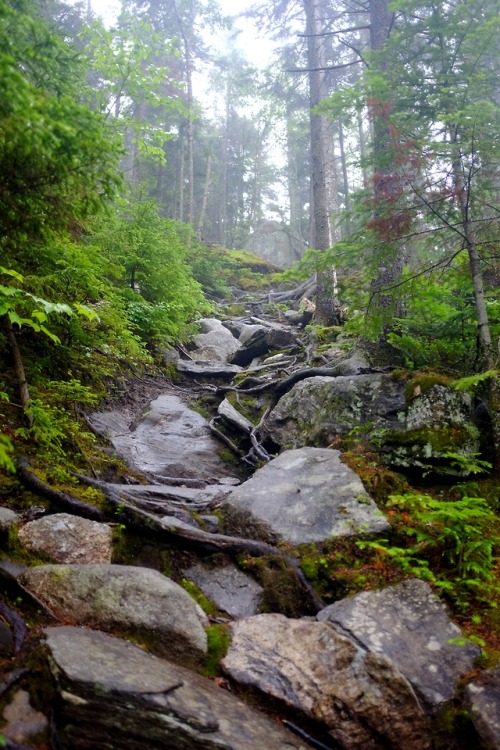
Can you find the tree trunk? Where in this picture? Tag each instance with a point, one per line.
(385, 303)
(19, 370)
(203, 210)
(322, 177)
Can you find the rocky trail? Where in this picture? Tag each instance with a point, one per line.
(233, 484)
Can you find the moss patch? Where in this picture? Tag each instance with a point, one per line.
(218, 644)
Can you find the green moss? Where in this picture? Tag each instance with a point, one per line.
(439, 438)
(218, 643)
(18, 552)
(199, 597)
(282, 590)
(421, 383)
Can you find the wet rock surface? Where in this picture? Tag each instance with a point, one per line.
(161, 439)
(303, 495)
(68, 539)
(368, 673)
(126, 599)
(409, 626)
(361, 698)
(114, 695)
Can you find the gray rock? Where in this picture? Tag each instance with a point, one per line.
(210, 523)
(114, 695)
(355, 364)
(68, 539)
(304, 495)
(23, 722)
(483, 701)
(362, 699)
(409, 626)
(229, 588)
(8, 518)
(437, 422)
(233, 417)
(319, 409)
(125, 599)
(221, 370)
(412, 435)
(195, 497)
(258, 340)
(169, 439)
(215, 342)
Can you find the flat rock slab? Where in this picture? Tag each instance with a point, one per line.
(169, 439)
(68, 539)
(229, 588)
(114, 695)
(304, 495)
(483, 701)
(212, 494)
(410, 626)
(125, 599)
(201, 369)
(362, 699)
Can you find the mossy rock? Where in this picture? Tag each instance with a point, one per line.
(282, 590)
(421, 383)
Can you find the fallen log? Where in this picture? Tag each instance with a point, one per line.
(59, 499)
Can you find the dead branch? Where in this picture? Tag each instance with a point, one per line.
(220, 436)
(59, 499)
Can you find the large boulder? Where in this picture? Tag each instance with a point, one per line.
(113, 695)
(423, 431)
(257, 340)
(362, 699)
(126, 599)
(408, 625)
(319, 409)
(215, 343)
(438, 421)
(68, 539)
(304, 495)
(169, 439)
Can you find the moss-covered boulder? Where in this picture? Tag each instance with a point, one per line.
(424, 429)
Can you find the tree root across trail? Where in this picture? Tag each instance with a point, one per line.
(169, 528)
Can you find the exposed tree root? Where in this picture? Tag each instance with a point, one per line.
(200, 541)
(58, 499)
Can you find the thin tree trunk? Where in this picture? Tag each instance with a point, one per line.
(22, 383)
(206, 188)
